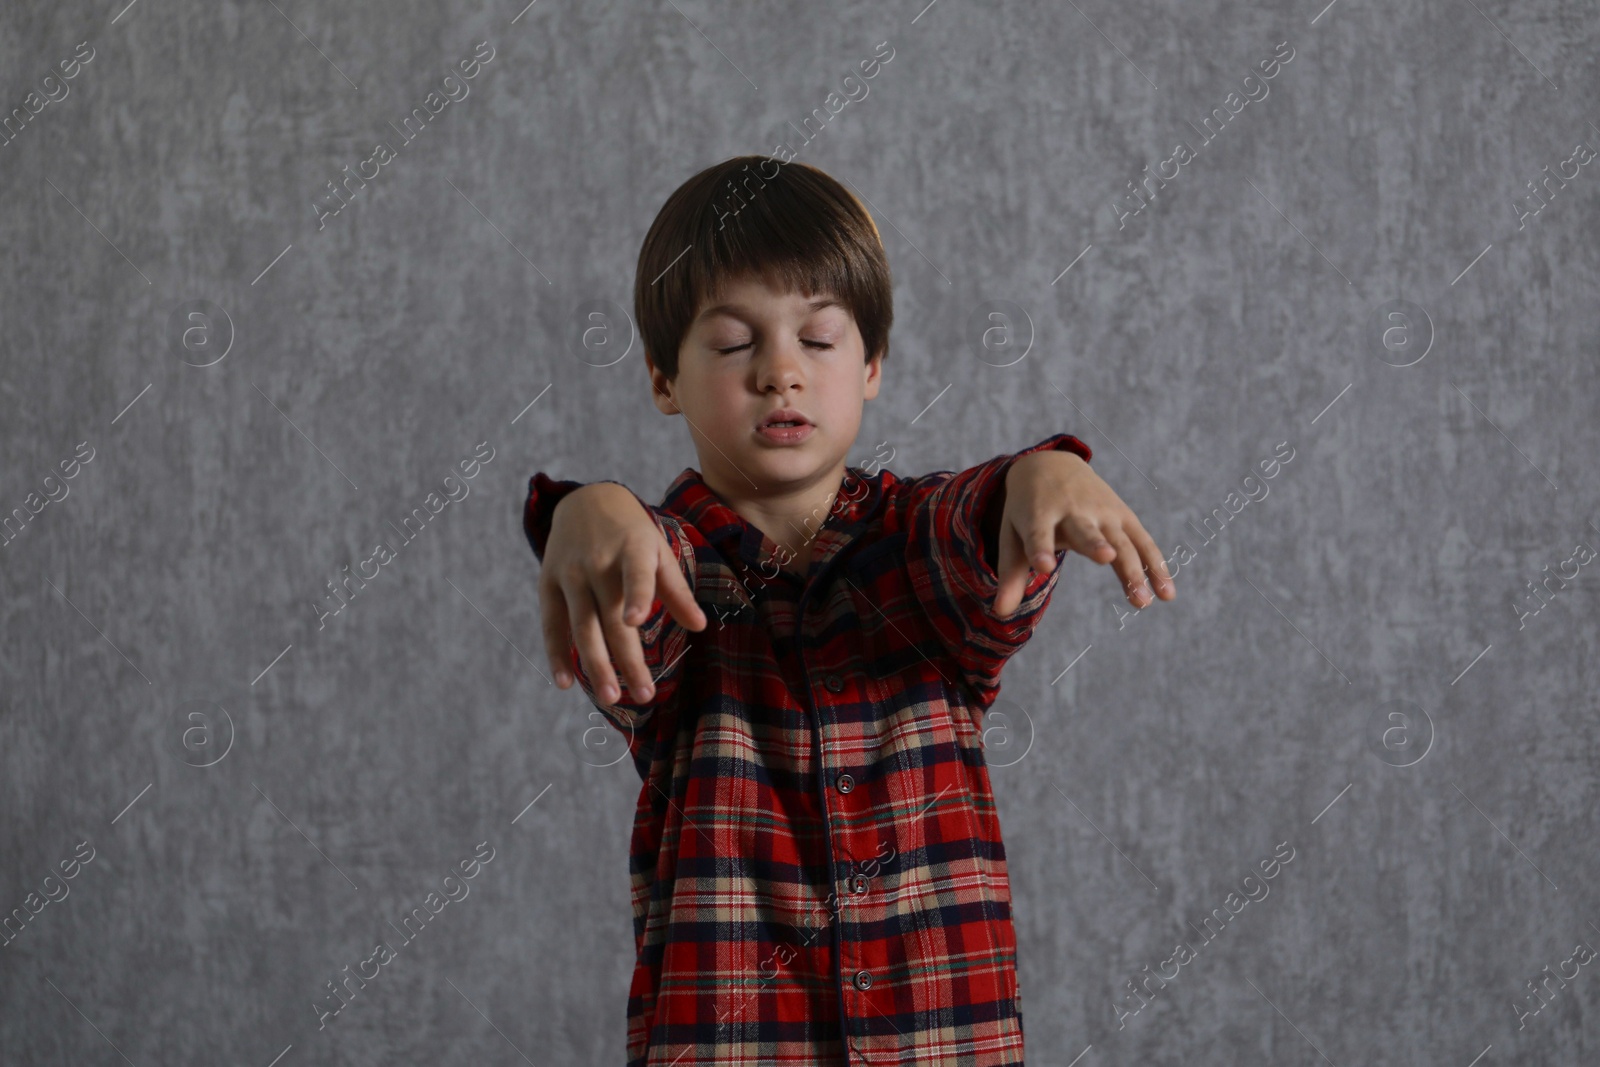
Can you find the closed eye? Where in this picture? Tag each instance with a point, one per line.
(823, 345)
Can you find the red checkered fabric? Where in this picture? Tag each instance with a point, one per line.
(817, 870)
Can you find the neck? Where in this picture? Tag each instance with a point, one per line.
(789, 514)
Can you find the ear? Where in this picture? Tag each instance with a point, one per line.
(662, 388)
(874, 376)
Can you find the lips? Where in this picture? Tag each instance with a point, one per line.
(785, 426)
(782, 416)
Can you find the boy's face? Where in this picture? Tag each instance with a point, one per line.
(752, 350)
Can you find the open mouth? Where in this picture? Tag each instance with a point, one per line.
(785, 426)
(784, 418)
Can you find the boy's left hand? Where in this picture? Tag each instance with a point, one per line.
(1055, 501)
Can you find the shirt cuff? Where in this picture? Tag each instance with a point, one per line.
(544, 493)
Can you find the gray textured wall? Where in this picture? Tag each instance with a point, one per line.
(1346, 668)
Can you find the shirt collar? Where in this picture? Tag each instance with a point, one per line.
(690, 499)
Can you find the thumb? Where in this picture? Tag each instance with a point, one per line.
(1012, 571)
(674, 589)
(1022, 550)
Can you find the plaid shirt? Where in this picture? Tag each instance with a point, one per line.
(817, 871)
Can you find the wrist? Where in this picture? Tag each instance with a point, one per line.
(597, 491)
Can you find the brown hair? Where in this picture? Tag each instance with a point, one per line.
(794, 226)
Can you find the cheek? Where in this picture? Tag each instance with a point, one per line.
(850, 393)
(722, 403)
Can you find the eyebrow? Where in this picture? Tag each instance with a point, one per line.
(737, 309)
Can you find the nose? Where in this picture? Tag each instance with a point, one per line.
(779, 367)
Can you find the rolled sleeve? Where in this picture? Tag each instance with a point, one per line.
(954, 581)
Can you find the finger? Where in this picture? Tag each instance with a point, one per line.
(637, 570)
(674, 589)
(590, 639)
(1155, 564)
(1083, 535)
(557, 629)
(638, 582)
(1038, 539)
(1012, 571)
(1128, 568)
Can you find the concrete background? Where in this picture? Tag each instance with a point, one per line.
(164, 612)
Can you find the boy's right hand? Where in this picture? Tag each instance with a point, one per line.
(605, 565)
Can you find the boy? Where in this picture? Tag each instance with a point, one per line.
(816, 865)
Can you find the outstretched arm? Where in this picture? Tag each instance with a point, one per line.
(953, 573)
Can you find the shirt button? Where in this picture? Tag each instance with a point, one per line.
(833, 683)
(845, 783)
(859, 883)
(863, 980)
